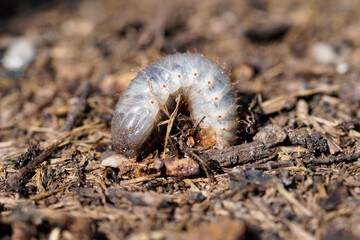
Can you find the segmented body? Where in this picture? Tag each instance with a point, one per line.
(204, 86)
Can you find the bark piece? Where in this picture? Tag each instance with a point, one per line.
(239, 154)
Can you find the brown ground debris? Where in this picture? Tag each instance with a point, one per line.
(295, 173)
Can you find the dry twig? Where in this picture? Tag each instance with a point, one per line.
(344, 158)
(239, 154)
(78, 105)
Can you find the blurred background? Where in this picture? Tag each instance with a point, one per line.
(64, 64)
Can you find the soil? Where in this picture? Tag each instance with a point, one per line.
(294, 174)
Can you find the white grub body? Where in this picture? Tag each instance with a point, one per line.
(19, 55)
(204, 86)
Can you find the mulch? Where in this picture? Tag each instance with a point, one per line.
(294, 173)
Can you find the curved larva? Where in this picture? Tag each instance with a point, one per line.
(203, 84)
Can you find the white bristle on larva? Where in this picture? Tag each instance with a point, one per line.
(203, 84)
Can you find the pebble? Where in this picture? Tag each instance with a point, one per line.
(114, 161)
(19, 55)
(271, 135)
(183, 167)
(197, 197)
(323, 53)
(342, 68)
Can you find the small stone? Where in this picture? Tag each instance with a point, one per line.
(323, 53)
(197, 197)
(270, 135)
(114, 161)
(184, 167)
(342, 68)
(158, 164)
(19, 55)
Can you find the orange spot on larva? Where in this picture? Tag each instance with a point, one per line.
(209, 82)
(179, 76)
(190, 141)
(152, 102)
(164, 86)
(195, 74)
(206, 137)
(216, 98)
(219, 116)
